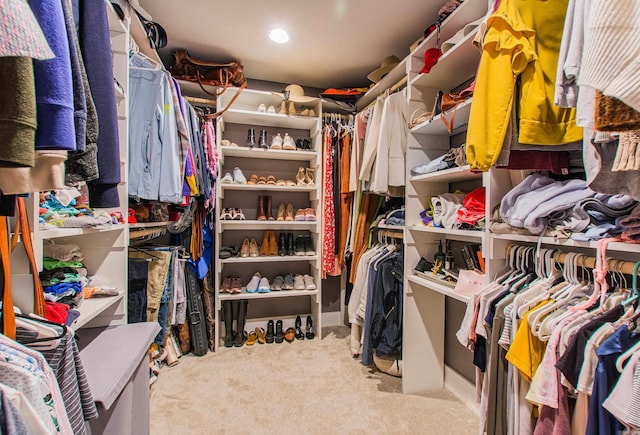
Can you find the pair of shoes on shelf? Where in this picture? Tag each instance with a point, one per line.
(237, 177)
(235, 214)
(258, 335)
(264, 208)
(306, 176)
(287, 109)
(249, 248)
(275, 332)
(228, 252)
(258, 284)
(264, 109)
(228, 143)
(305, 214)
(303, 282)
(231, 284)
(304, 246)
(309, 334)
(285, 244)
(269, 246)
(303, 144)
(280, 143)
(262, 140)
(285, 212)
(307, 111)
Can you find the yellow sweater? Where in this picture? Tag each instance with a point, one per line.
(522, 42)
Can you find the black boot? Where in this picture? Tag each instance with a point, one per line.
(262, 141)
(282, 244)
(290, 250)
(251, 138)
(241, 317)
(227, 309)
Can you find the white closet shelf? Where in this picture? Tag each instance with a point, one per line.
(264, 225)
(463, 57)
(257, 153)
(271, 294)
(613, 246)
(449, 232)
(269, 259)
(271, 187)
(436, 126)
(437, 287)
(116, 26)
(452, 175)
(92, 308)
(149, 224)
(67, 232)
(270, 120)
(390, 227)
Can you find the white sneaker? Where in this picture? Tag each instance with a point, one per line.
(225, 142)
(271, 109)
(264, 286)
(227, 179)
(298, 282)
(262, 108)
(253, 285)
(288, 143)
(308, 282)
(276, 142)
(238, 176)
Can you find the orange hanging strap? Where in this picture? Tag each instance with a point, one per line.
(8, 316)
(22, 227)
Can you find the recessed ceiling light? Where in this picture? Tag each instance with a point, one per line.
(279, 36)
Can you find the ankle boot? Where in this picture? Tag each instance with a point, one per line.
(265, 246)
(282, 244)
(241, 317)
(290, 250)
(267, 207)
(251, 138)
(273, 243)
(260, 213)
(184, 337)
(262, 141)
(227, 309)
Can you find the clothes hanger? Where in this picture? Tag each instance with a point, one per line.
(156, 65)
(625, 356)
(48, 332)
(152, 257)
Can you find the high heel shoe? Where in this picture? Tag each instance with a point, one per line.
(301, 176)
(310, 334)
(299, 333)
(309, 176)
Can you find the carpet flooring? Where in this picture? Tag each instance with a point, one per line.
(306, 387)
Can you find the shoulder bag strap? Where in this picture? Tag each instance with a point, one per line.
(22, 227)
(449, 123)
(8, 316)
(233, 99)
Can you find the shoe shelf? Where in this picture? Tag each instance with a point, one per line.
(471, 234)
(436, 126)
(462, 57)
(55, 233)
(270, 187)
(257, 153)
(613, 246)
(271, 294)
(437, 287)
(270, 225)
(263, 119)
(452, 175)
(91, 308)
(269, 259)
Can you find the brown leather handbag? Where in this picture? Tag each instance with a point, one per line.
(204, 72)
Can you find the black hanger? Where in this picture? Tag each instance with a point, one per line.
(46, 322)
(152, 257)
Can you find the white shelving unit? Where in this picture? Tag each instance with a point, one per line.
(283, 165)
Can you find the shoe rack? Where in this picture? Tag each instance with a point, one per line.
(279, 167)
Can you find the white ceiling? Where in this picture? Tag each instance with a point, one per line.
(334, 43)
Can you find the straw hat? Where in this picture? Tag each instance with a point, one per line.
(295, 94)
(388, 63)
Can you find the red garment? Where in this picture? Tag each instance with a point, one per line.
(431, 57)
(56, 312)
(473, 207)
(329, 221)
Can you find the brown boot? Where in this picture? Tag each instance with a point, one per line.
(184, 337)
(273, 243)
(267, 207)
(265, 247)
(260, 213)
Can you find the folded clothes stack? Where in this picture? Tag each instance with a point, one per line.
(456, 210)
(563, 209)
(454, 157)
(70, 209)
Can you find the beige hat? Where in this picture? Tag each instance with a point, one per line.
(388, 63)
(296, 94)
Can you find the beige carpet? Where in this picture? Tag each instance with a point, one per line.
(306, 387)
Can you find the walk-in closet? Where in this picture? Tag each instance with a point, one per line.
(320, 217)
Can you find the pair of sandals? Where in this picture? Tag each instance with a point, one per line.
(269, 180)
(232, 214)
(257, 335)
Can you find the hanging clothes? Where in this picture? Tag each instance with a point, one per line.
(328, 210)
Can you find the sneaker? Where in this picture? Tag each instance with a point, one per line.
(238, 176)
(308, 246)
(264, 286)
(300, 215)
(308, 282)
(298, 282)
(271, 109)
(309, 214)
(226, 285)
(253, 285)
(288, 143)
(276, 142)
(262, 108)
(236, 285)
(299, 247)
(227, 179)
(277, 283)
(288, 282)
